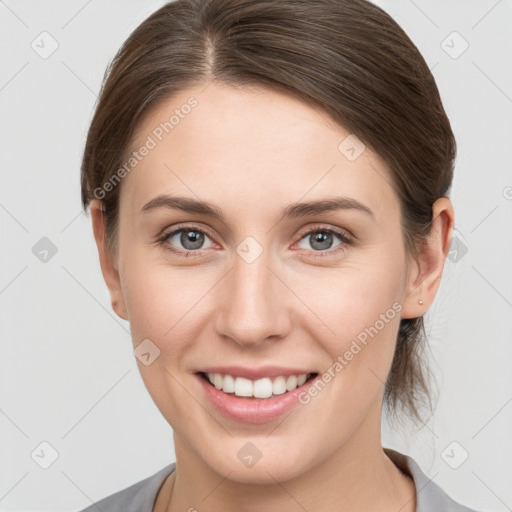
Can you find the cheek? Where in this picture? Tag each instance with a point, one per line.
(355, 313)
(164, 307)
(165, 304)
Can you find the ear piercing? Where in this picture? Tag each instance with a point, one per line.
(420, 302)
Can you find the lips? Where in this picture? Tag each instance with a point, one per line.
(251, 409)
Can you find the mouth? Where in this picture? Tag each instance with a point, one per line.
(259, 389)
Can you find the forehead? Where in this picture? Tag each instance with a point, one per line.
(224, 144)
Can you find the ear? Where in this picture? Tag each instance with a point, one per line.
(426, 272)
(107, 262)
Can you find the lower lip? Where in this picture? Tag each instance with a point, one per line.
(253, 410)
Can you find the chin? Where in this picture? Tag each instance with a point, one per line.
(260, 461)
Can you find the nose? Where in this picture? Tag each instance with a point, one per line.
(253, 303)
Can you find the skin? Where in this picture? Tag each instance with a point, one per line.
(250, 152)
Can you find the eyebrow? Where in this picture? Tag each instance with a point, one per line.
(294, 210)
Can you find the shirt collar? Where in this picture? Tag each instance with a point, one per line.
(429, 496)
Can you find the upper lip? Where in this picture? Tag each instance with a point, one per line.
(255, 373)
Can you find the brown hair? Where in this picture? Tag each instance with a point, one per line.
(347, 57)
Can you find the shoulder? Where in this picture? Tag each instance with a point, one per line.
(139, 497)
(429, 496)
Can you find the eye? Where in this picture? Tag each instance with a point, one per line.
(321, 240)
(185, 239)
(190, 241)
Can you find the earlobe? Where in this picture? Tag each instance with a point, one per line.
(107, 262)
(427, 270)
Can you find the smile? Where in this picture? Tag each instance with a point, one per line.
(253, 401)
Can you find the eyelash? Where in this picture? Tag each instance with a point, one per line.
(344, 237)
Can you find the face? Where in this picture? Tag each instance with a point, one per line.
(261, 283)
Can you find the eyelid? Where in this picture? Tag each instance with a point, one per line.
(346, 239)
(341, 232)
(168, 233)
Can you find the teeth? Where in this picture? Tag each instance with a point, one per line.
(228, 386)
(217, 380)
(243, 387)
(279, 386)
(291, 382)
(261, 388)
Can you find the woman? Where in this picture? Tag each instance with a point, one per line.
(268, 184)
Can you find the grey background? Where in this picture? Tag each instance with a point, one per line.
(68, 375)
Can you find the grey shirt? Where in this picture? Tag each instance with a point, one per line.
(141, 496)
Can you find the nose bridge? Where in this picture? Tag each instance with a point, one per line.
(252, 304)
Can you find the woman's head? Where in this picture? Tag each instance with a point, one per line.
(251, 107)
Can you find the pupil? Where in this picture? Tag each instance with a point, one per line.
(191, 239)
(321, 240)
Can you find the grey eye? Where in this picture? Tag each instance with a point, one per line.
(190, 239)
(320, 240)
